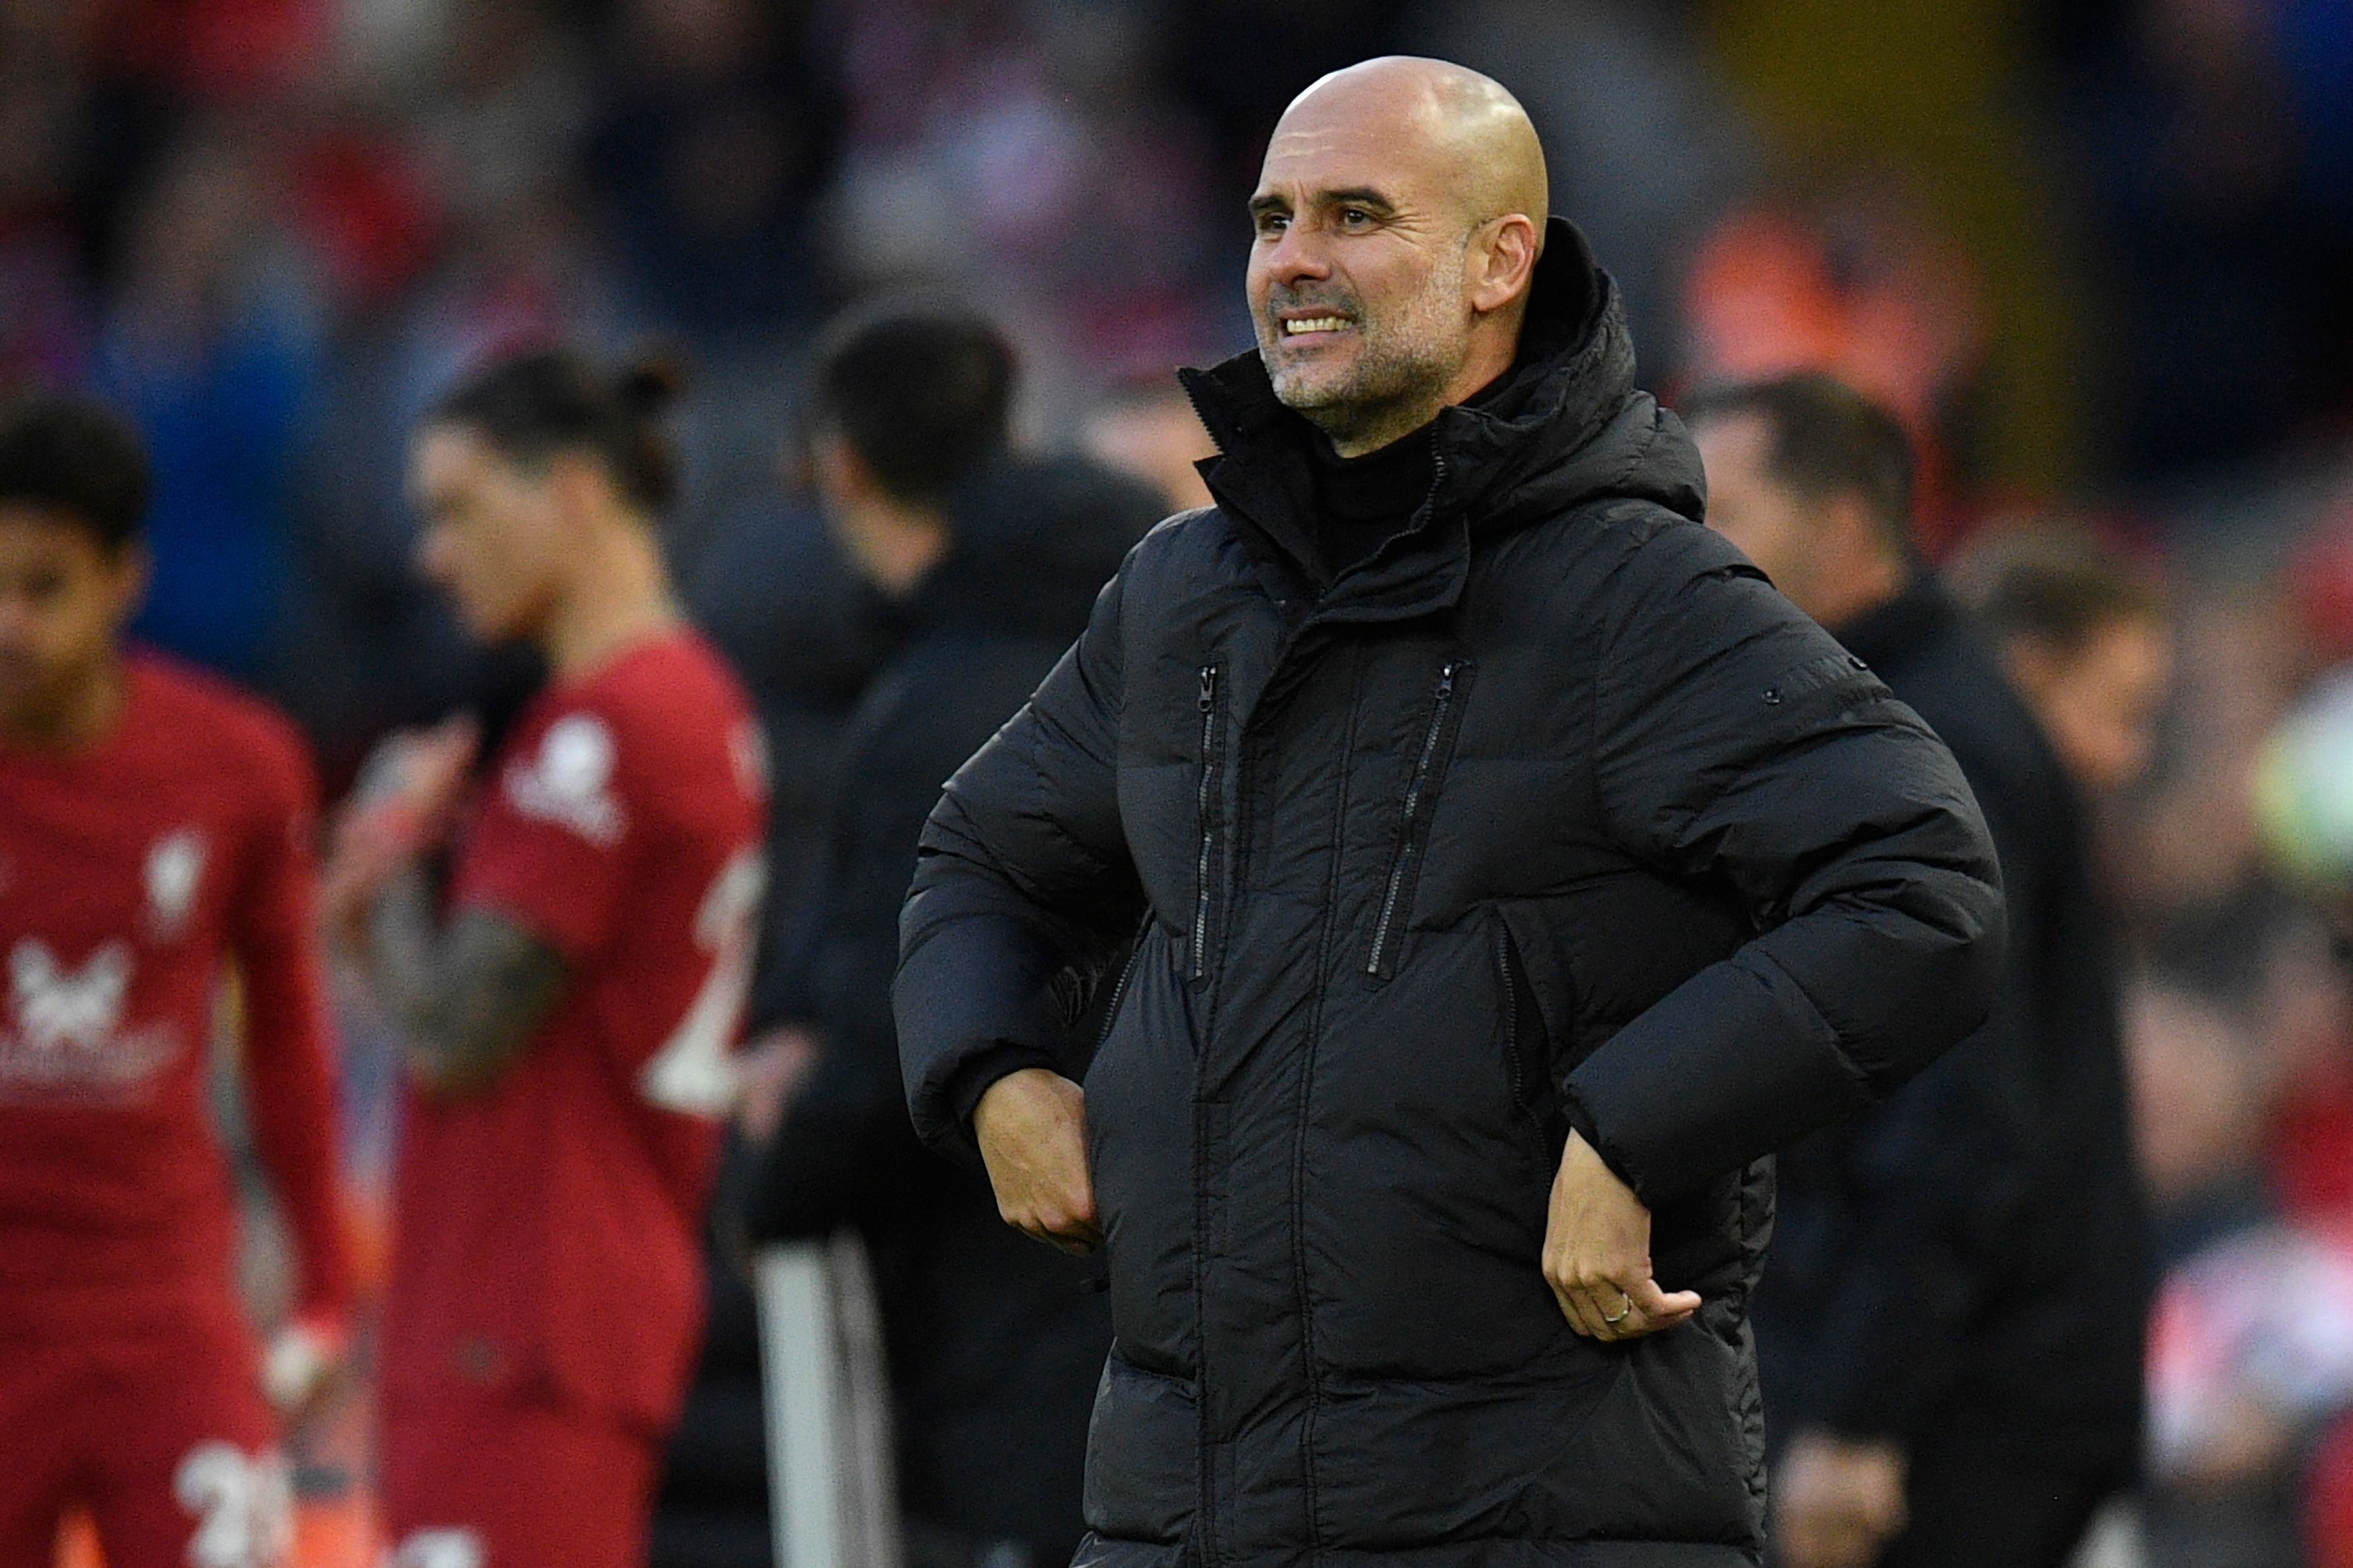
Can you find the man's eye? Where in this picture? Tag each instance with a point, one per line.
(1273, 223)
(1355, 217)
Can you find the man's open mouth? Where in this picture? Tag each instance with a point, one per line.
(1305, 326)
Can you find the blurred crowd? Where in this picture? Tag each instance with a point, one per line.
(2098, 255)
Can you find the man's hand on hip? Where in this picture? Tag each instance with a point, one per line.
(1597, 1253)
(1836, 1502)
(1031, 1126)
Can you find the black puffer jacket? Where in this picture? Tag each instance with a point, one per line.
(994, 1342)
(1550, 811)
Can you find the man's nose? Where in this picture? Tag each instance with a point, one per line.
(1299, 255)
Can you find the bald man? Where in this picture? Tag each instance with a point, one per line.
(1503, 869)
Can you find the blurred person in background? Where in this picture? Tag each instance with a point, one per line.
(989, 562)
(211, 346)
(2251, 1344)
(1950, 1333)
(2083, 638)
(155, 833)
(2298, 1405)
(1148, 430)
(568, 1008)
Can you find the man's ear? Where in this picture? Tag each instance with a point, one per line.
(1503, 261)
(580, 486)
(132, 569)
(2034, 664)
(840, 474)
(1856, 539)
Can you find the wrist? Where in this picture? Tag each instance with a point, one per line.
(303, 1355)
(984, 1072)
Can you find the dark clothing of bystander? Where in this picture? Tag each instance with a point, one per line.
(1967, 1269)
(995, 1343)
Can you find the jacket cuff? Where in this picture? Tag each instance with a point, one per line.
(976, 1078)
(1579, 1117)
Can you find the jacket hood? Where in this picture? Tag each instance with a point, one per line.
(1033, 541)
(1564, 424)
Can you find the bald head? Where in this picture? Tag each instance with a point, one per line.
(1467, 129)
(1399, 215)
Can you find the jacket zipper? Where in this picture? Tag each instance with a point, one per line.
(1515, 1060)
(1511, 1016)
(1208, 804)
(1413, 794)
(1119, 991)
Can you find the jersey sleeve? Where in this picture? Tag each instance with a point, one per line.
(274, 938)
(550, 848)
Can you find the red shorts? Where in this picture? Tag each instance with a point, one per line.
(147, 1413)
(486, 1480)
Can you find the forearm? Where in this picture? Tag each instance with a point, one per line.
(465, 999)
(975, 991)
(1813, 1022)
(1023, 888)
(291, 1088)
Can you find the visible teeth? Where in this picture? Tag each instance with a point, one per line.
(1314, 324)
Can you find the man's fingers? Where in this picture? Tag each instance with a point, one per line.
(1658, 1308)
(1825, 1540)
(1572, 1307)
(1641, 1307)
(1078, 1241)
(1611, 1313)
(1056, 1226)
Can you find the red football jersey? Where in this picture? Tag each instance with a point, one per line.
(131, 871)
(550, 1227)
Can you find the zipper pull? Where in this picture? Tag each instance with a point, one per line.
(1208, 687)
(1446, 680)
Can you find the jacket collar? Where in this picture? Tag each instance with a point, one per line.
(1563, 425)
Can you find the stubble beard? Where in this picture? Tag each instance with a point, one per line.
(1397, 381)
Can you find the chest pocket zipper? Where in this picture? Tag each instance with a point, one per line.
(1205, 861)
(1119, 990)
(1413, 814)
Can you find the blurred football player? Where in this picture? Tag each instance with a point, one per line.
(155, 830)
(568, 1004)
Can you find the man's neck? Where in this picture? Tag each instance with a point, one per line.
(1859, 596)
(617, 597)
(898, 546)
(84, 715)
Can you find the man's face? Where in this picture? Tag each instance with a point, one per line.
(1747, 505)
(1356, 278)
(493, 537)
(64, 598)
(2099, 702)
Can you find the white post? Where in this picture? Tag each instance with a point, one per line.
(832, 1487)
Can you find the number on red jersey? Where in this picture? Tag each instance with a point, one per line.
(244, 1506)
(693, 1072)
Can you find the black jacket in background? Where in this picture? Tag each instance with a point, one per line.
(1549, 812)
(1977, 1250)
(995, 1342)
